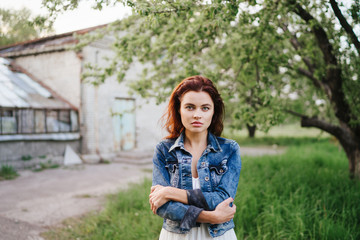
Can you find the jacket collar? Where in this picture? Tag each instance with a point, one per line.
(213, 143)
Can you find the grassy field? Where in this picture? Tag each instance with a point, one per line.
(293, 130)
(302, 194)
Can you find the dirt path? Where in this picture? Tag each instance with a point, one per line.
(36, 201)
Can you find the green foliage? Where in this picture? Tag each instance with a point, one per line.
(302, 194)
(20, 25)
(7, 172)
(261, 54)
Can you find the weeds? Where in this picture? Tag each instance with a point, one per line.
(45, 165)
(7, 172)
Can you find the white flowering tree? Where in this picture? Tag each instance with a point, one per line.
(268, 57)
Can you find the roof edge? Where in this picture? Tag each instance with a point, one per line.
(44, 39)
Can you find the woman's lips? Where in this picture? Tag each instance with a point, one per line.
(196, 124)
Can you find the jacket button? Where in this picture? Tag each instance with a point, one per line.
(221, 170)
(203, 164)
(206, 178)
(215, 231)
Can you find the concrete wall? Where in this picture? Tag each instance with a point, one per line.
(58, 70)
(12, 152)
(97, 102)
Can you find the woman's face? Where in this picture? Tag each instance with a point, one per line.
(196, 110)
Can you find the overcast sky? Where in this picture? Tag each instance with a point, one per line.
(83, 17)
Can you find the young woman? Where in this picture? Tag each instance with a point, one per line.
(195, 171)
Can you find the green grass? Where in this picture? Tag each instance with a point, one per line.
(293, 130)
(303, 194)
(283, 135)
(7, 172)
(127, 216)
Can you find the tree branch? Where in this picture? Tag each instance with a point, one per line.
(332, 81)
(297, 46)
(310, 75)
(340, 133)
(345, 24)
(319, 33)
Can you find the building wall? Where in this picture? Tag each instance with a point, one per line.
(58, 70)
(62, 71)
(27, 153)
(97, 102)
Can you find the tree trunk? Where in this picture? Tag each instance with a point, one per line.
(353, 155)
(348, 138)
(251, 130)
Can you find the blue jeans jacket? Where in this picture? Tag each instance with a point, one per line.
(218, 169)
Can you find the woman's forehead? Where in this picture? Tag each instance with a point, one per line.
(197, 98)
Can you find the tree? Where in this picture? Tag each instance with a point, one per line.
(268, 57)
(19, 25)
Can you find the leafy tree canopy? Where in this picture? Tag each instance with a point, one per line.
(20, 25)
(267, 57)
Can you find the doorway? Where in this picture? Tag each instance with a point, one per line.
(123, 117)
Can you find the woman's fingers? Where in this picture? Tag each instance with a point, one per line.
(155, 188)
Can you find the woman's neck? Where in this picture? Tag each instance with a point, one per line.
(195, 139)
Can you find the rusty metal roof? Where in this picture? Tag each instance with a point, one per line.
(53, 43)
(18, 90)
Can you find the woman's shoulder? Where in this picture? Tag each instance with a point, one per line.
(166, 143)
(226, 141)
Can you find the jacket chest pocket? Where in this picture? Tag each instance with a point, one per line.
(173, 170)
(217, 171)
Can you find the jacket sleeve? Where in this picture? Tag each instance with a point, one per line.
(226, 188)
(175, 211)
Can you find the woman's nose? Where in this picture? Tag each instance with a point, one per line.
(197, 115)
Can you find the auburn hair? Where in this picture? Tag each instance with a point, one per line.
(172, 118)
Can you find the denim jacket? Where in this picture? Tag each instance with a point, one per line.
(218, 170)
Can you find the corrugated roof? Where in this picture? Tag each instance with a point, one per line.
(18, 90)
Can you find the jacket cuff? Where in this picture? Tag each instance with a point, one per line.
(189, 220)
(196, 198)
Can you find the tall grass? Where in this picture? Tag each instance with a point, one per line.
(303, 194)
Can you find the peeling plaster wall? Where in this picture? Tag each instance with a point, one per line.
(97, 102)
(58, 70)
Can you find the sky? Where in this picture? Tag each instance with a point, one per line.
(83, 17)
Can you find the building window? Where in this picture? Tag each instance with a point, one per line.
(8, 122)
(37, 121)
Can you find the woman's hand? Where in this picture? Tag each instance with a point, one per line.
(157, 197)
(223, 212)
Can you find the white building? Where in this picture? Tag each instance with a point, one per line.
(110, 120)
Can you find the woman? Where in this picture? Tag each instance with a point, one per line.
(195, 171)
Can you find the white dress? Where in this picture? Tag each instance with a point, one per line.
(196, 233)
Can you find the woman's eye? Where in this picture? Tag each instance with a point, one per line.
(205, 108)
(189, 107)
